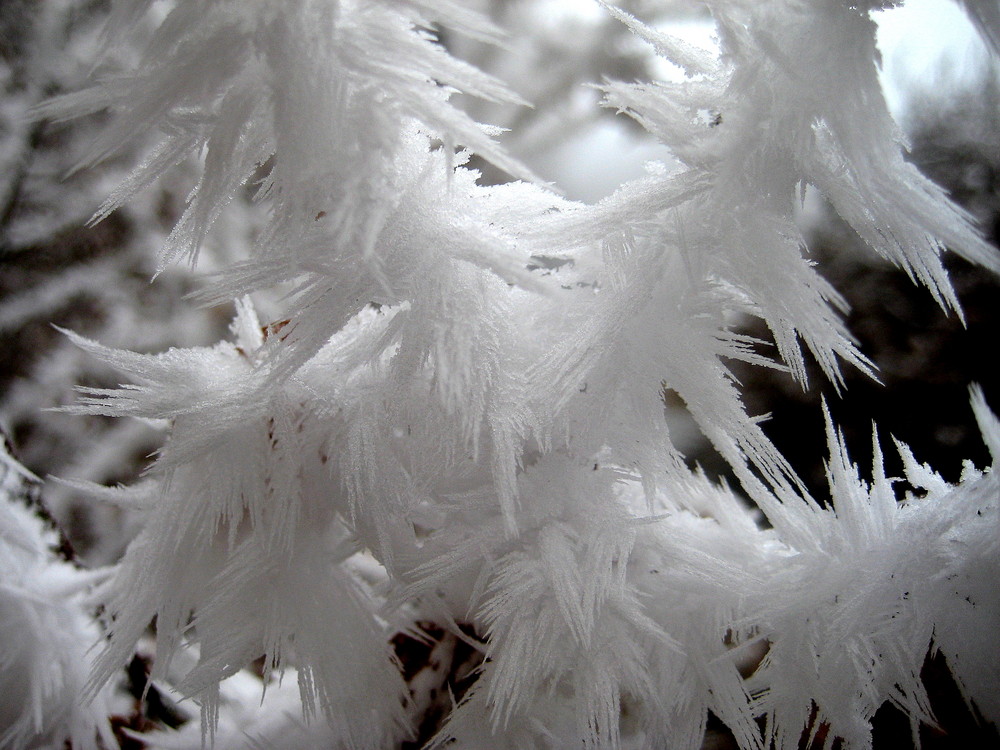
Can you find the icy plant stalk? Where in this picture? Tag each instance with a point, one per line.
(491, 431)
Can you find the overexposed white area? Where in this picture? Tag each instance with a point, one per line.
(570, 10)
(599, 158)
(927, 45)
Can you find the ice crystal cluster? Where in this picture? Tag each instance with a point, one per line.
(47, 630)
(453, 428)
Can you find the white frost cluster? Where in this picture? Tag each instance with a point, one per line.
(48, 628)
(467, 383)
